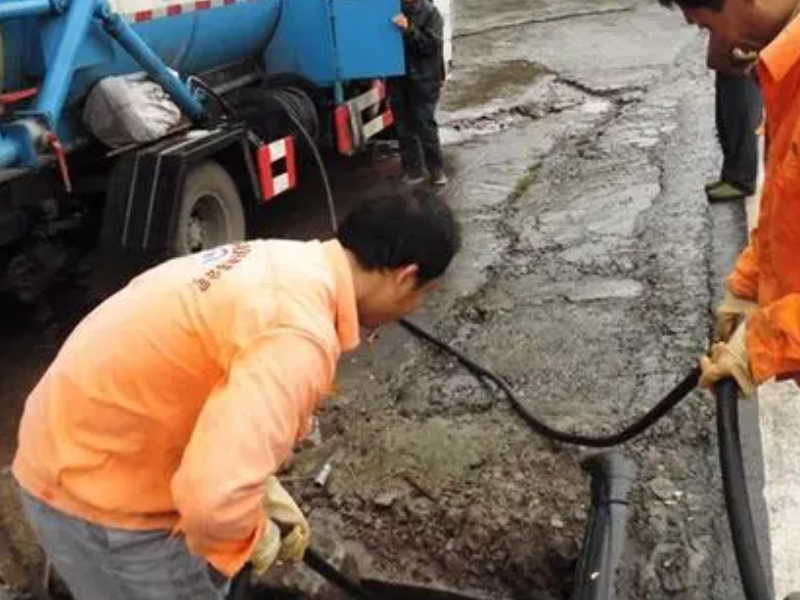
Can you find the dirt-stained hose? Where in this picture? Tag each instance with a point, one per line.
(316, 562)
(737, 500)
(613, 475)
(659, 410)
(241, 587)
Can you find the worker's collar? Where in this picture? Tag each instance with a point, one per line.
(345, 296)
(782, 53)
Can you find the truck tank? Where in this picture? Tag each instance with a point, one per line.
(189, 37)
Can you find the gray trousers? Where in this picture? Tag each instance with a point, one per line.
(414, 108)
(739, 112)
(102, 563)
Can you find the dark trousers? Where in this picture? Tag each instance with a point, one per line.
(414, 108)
(739, 112)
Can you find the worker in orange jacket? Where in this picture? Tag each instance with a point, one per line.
(147, 451)
(764, 288)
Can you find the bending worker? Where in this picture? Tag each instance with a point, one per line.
(147, 450)
(764, 288)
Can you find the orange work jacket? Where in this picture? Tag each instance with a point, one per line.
(172, 402)
(768, 270)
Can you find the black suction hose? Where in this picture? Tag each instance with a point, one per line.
(737, 500)
(754, 580)
(315, 561)
(659, 410)
(297, 106)
(241, 587)
(613, 476)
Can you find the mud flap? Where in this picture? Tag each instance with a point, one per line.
(142, 199)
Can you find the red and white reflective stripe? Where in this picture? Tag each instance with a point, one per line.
(267, 155)
(378, 124)
(344, 137)
(374, 96)
(175, 10)
(16, 96)
(348, 116)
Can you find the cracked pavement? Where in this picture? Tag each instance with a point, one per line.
(579, 141)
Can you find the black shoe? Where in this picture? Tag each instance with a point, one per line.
(413, 178)
(438, 177)
(725, 192)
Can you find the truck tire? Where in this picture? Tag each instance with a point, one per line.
(211, 212)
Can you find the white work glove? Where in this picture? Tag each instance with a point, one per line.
(729, 359)
(730, 313)
(266, 550)
(287, 533)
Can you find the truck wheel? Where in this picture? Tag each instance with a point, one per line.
(211, 212)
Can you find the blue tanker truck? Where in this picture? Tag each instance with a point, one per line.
(150, 128)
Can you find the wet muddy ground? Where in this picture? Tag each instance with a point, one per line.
(579, 139)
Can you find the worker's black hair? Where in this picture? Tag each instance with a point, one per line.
(402, 229)
(715, 5)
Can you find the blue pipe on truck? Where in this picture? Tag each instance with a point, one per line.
(150, 62)
(8, 153)
(16, 9)
(51, 100)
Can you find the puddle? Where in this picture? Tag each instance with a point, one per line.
(491, 82)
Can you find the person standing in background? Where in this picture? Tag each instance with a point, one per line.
(739, 112)
(414, 97)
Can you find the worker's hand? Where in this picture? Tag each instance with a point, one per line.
(730, 313)
(284, 512)
(744, 61)
(401, 21)
(266, 550)
(729, 359)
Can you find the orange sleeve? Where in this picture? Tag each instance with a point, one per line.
(773, 338)
(245, 431)
(743, 281)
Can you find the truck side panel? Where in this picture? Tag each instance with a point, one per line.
(331, 41)
(368, 44)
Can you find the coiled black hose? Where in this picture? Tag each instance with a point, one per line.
(737, 499)
(301, 110)
(659, 410)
